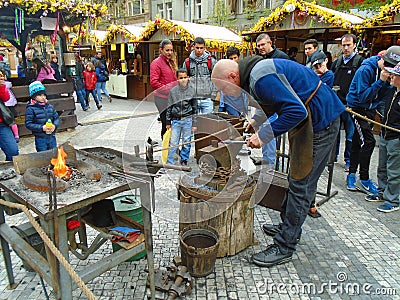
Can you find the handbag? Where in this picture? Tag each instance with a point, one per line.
(6, 114)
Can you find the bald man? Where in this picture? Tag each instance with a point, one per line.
(309, 111)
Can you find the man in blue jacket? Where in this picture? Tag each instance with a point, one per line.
(309, 111)
(365, 94)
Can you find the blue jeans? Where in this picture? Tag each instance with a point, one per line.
(7, 142)
(99, 87)
(301, 192)
(88, 92)
(269, 149)
(45, 143)
(389, 171)
(81, 94)
(205, 106)
(348, 124)
(180, 128)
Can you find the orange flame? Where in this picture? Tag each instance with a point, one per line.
(60, 166)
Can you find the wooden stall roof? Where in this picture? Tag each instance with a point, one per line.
(23, 18)
(123, 34)
(388, 16)
(215, 37)
(296, 17)
(72, 12)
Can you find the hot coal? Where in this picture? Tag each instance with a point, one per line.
(75, 175)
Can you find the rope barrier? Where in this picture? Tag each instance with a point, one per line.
(88, 293)
(92, 122)
(349, 110)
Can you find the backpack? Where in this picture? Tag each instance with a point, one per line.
(356, 63)
(209, 64)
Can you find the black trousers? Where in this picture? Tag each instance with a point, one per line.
(363, 143)
(162, 104)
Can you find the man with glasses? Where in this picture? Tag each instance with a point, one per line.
(266, 49)
(365, 94)
(199, 66)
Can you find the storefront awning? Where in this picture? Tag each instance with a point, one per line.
(117, 34)
(219, 38)
(296, 15)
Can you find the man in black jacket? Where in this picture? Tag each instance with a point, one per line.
(344, 69)
(266, 49)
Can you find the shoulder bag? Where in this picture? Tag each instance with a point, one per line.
(6, 114)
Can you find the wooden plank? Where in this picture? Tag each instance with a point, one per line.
(26, 252)
(107, 263)
(59, 104)
(69, 121)
(22, 92)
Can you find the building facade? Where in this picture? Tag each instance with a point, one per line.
(243, 13)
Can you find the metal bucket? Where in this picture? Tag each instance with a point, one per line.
(199, 248)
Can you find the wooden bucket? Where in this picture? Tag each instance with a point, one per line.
(199, 247)
(232, 217)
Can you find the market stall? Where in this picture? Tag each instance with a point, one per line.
(182, 34)
(296, 21)
(125, 56)
(383, 29)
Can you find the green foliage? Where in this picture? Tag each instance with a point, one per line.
(255, 10)
(222, 16)
(371, 5)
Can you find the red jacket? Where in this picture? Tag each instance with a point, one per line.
(90, 80)
(160, 75)
(4, 96)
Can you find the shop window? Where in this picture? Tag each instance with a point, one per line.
(197, 9)
(160, 10)
(239, 6)
(136, 7)
(185, 12)
(169, 10)
(267, 4)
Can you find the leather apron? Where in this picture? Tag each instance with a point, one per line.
(301, 144)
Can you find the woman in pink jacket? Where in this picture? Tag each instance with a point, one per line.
(45, 72)
(162, 73)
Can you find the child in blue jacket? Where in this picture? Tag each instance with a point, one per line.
(41, 118)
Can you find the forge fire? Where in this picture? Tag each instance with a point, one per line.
(60, 167)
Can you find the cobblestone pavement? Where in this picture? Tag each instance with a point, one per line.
(351, 252)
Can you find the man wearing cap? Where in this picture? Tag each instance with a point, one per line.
(364, 96)
(308, 109)
(319, 64)
(344, 69)
(389, 150)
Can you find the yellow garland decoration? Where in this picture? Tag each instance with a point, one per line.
(311, 9)
(115, 29)
(4, 43)
(185, 35)
(81, 8)
(385, 14)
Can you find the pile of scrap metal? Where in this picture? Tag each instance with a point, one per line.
(174, 280)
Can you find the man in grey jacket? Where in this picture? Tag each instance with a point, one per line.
(199, 66)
